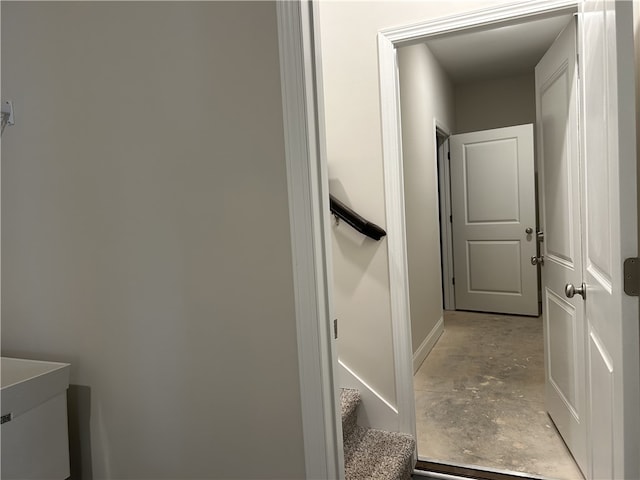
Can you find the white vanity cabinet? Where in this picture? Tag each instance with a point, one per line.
(33, 404)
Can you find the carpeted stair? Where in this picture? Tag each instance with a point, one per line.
(372, 454)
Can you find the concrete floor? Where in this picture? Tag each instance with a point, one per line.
(480, 398)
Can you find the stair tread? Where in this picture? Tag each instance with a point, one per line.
(377, 454)
(349, 401)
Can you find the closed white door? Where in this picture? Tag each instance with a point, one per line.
(494, 225)
(610, 235)
(557, 110)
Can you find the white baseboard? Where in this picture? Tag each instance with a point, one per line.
(428, 343)
(374, 411)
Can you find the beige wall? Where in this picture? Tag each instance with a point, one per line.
(145, 233)
(348, 32)
(426, 96)
(502, 102)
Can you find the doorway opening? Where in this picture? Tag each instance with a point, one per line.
(446, 286)
(483, 383)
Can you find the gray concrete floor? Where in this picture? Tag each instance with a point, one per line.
(480, 398)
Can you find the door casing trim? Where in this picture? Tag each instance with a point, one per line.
(444, 197)
(308, 198)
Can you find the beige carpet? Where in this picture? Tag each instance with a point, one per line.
(372, 454)
(480, 398)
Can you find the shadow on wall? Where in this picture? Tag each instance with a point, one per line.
(355, 248)
(79, 415)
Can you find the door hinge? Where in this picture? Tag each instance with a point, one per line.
(632, 276)
(335, 328)
(449, 155)
(450, 218)
(453, 280)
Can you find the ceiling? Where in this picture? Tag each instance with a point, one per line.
(497, 52)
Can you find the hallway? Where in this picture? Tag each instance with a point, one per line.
(480, 398)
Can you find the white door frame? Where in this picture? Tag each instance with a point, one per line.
(308, 203)
(308, 193)
(444, 197)
(389, 40)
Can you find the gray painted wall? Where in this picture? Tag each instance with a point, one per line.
(426, 96)
(145, 233)
(496, 103)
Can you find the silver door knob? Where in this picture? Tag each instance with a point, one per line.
(528, 230)
(537, 260)
(570, 290)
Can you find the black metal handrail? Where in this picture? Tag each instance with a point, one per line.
(362, 225)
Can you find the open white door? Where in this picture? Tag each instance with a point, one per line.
(494, 222)
(589, 213)
(557, 111)
(609, 236)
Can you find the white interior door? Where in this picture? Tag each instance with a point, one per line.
(494, 227)
(610, 235)
(557, 110)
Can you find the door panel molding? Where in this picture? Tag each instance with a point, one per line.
(602, 401)
(555, 93)
(568, 263)
(480, 190)
(567, 389)
(604, 280)
(502, 284)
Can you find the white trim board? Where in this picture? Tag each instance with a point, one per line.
(427, 345)
(388, 41)
(374, 411)
(322, 430)
(489, 17)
